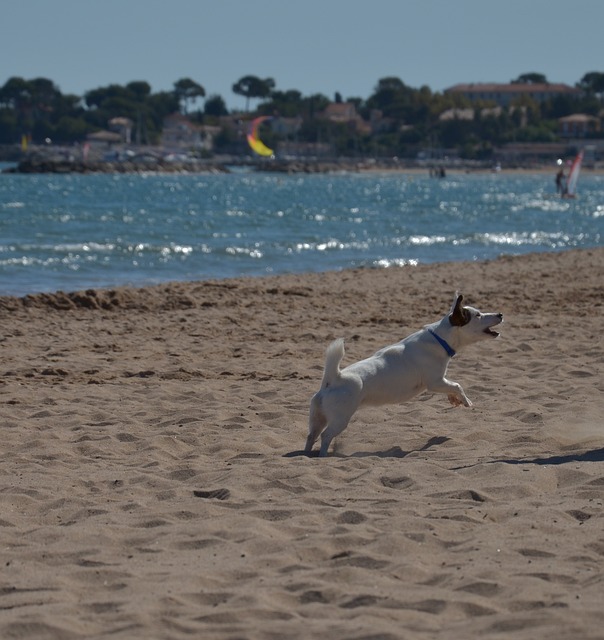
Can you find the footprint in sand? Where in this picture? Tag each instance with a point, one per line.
(215, 494)
(401, 482)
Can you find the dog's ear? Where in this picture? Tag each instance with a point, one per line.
(459, 316)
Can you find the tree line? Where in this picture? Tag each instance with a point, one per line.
(408, 118)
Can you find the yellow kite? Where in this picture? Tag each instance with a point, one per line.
(254, 141)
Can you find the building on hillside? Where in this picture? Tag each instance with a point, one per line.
(346, 113)
(456, 114)
(578, 125)
(340, 112)
(505, 94)
(123, 127)
(379, 123)
(180, 134)
(470, 114)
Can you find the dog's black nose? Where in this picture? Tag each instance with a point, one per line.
(500, 316)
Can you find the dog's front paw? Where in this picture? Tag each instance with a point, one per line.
(458, 402)
(454, 400)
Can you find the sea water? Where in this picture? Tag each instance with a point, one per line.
(71, 232)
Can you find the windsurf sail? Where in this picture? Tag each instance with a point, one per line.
(254, 141)
(573, 175)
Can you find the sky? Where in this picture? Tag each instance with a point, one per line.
(313, 46)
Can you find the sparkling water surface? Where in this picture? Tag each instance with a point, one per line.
(70, 232)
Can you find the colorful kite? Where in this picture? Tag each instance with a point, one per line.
(254, 141)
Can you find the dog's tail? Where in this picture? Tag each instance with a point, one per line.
(333, 357)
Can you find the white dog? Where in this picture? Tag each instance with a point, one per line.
(396, 373)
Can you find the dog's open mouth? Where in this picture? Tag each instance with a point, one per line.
(491, 332)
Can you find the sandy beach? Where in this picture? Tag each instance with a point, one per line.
(153, 487)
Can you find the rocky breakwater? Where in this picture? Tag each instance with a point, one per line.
(142, 166)
(301, 165)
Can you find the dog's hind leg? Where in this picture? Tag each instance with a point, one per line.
(335, 428)
(316, 423)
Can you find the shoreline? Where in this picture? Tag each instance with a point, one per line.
(101, 296)
(294, 166)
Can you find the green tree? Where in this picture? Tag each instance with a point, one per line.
(155, 109)
(9, 126)
(530, 78)
(187, 91)
(134, 101)
(386, 93)
(215, 106)
(253, 87)
(161, 104)
(593, 84)
(44, 95)
(312, 105)
(15, 94)
(286, 103)
(393, 98)
(69, 129)
(37, 105)
(139, 89)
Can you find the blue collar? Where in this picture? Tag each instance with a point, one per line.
(444, 344)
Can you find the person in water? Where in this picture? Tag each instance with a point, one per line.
(561, 182)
